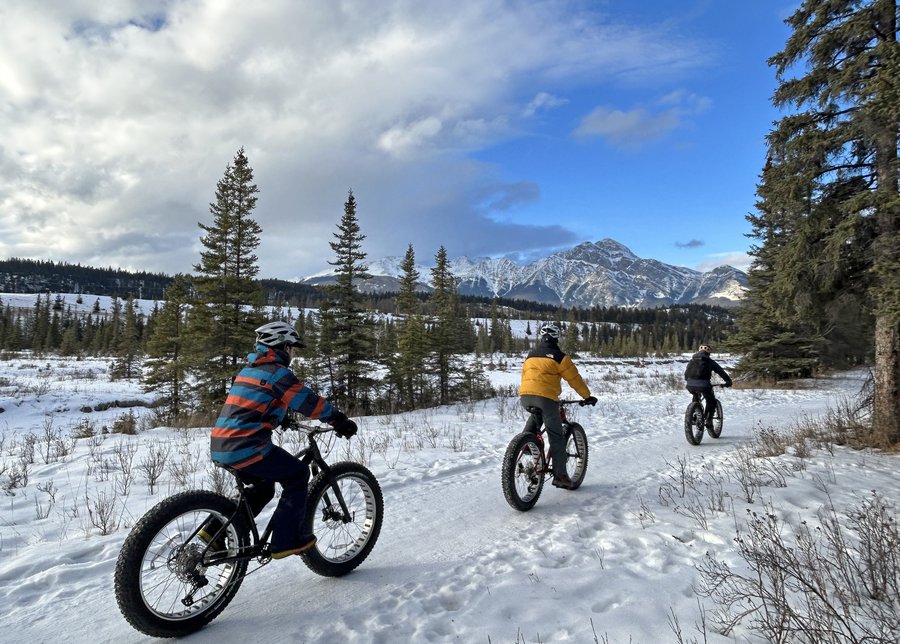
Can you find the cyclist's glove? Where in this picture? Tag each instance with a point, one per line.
(590, 400)
(343, 426)
(728, 384)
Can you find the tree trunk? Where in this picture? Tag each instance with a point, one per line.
(886, 414)
(886, 421)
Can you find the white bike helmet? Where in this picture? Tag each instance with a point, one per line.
(704, 348)
(550, 330)
(276, 334)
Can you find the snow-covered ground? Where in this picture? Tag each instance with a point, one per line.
(613, 561)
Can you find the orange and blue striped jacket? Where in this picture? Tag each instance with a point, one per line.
(260, 396)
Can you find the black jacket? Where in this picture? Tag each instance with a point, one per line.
(703, 368)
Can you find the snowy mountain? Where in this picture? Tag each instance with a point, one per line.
(604, 273)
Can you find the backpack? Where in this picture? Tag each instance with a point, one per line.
(698, 368)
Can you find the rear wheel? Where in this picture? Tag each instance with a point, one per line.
(345, 534)
(576, 454)
(693, 423)
(523, 471)
(716, 430)
(167, 583)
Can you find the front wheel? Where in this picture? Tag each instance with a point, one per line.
(693, 423)
(523, 471)
(716, 430)
(576, 454)
(167, 584)
(345, 533)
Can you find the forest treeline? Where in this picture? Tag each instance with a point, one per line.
(369, 353)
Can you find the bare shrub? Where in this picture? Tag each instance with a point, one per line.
(52, 445)
(185, 468)
(42, 511)
(767, 441)
(455, 439)
(16, 476)
(124, 453)
(824, 584)
(153, 464)
(102, 511)
(220, 480)
(83, 429)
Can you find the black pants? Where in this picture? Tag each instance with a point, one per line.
(708, 395)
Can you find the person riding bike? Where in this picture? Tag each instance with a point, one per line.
(544, 368)
(697, 376)
(241, 440)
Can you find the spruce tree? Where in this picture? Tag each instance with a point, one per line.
(844, 136)
(409, 366)
(447, 336)
(127, 362)
(167, 359)
(353, 342)
(228, 302)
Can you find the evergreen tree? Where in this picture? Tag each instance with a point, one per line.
(127, 362)
(167, 359)
(446, 335)
(353, 342)
(844, 137)
(228, 304)
(408, 368)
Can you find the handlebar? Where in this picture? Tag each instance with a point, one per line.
(308, 429)
(571, 402)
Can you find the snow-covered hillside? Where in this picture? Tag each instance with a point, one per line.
(613, 561)
(605, 273)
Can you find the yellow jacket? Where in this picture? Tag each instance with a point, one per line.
(543, 370)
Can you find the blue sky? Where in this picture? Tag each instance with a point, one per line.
(491, 127)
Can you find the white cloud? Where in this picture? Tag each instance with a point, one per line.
(119, 123)
(635, 127)
(541, 102)
(737, 259)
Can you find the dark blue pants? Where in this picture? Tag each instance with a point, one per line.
(279, 466)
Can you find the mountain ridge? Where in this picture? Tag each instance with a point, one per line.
(603, 273)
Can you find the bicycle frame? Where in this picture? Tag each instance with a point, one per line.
(312, 456)
(538, 416)
(698, 397)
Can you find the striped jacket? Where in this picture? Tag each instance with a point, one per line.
(260, 396)
(544, 367)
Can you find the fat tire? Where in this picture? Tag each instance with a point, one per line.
(528, 472)
(576, 454)
(693, 423)
(716, 430)
(340, 546)
(180, 514)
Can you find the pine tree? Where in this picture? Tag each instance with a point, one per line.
(228, 301)
(448, 334)
(408, 370)
(353, 342)
(167, 359)
(845, 134)
(127, 363)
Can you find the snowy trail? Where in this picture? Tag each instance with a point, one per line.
(454, 563)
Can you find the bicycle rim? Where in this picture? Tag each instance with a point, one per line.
(716, 430)
(527, 472)
(170, 569)
(693, 423)
(576, 454)
(339, 537)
